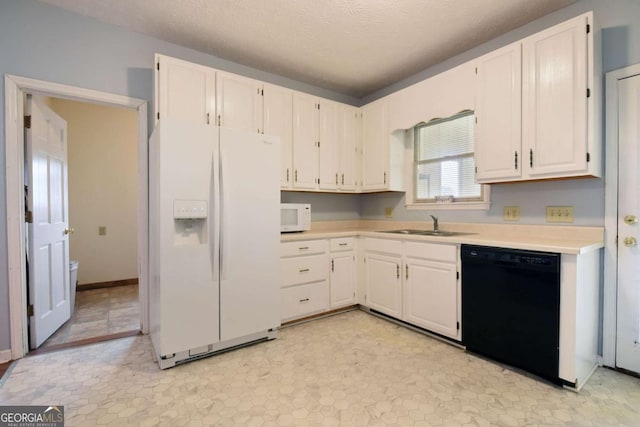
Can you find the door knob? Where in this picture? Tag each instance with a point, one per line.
(631, 219)
(69, 231)
(630, 242)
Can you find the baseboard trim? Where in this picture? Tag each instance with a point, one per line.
(5, 356)
(111, 284)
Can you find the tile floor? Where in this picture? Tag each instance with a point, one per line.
(100, 312)
(352, 369)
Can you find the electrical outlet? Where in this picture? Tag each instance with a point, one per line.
(559, 213)
(102, 230)
(511, 213)
(388, 212)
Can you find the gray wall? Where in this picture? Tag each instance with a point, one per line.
(44, 42)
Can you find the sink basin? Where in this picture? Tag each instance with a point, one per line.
(442, 233)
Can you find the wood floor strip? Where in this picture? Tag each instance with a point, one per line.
(85, 341)
(102, 285)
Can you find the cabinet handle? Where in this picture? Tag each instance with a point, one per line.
(302, 301)
(287, 174)
(342, 179)
(385, 178)
(332, 269)
(219, 120)
(406, 271)
(304, 270)
(531, 157)
(397, 271)
(303, 248)
(342, 244)
(515, 157)
(295, 174)
(336, 179)
(208, 118)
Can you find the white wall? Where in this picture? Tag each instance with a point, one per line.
(103, 165)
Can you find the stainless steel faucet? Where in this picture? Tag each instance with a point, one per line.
(435, 223)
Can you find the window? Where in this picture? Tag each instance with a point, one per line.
(444, 167)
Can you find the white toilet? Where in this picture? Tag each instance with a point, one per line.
(73, 275)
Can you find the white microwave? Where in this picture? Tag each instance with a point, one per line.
(295, 217)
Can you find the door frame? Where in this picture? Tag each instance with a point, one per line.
(609, 315)
(15, 89)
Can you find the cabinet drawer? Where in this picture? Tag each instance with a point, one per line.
(304, 269)
(305, 247)
(304, 300)
(383, 245)
(444, 253)
(342, 244)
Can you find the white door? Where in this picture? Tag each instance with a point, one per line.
(384, 285)
(554, 99)
(343, 279)
(628, 324)
(349, 149)
(498, 115)
(239, 102)
(375, 146)
(431, 296)
(48, 241)
(330, 137)
(184, 91)
(250, 233)
(305, 141)
(278, 120)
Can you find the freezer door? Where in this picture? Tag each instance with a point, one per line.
(250, 233)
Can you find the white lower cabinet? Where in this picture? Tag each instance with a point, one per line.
(416, 282)
(304, 282)
(343, 272)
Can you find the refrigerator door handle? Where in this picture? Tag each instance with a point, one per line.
(224, 230)
(214, 223)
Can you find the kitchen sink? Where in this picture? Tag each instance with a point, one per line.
(442, 233)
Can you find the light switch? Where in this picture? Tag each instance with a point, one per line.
(388, 212)
(559, 213)
(511, 213)
(102, 230)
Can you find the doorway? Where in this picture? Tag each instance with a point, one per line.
(15, 90)
(102, 165)
(621, 344)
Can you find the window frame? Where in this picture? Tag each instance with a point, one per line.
(483, 202)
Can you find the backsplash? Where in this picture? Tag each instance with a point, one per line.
(585, 195)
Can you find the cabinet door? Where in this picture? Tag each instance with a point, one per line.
(554, 125)
(330, 140)
(349, 149)
(343, 279)
(305, 141)
(431, 296)
(383, 284)
(498, 132)
(375, 146)
(184, 91)
(278, 120)
(239, 102)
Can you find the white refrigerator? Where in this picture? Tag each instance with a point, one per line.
(214, 218)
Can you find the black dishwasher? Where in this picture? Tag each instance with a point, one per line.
(511, 307)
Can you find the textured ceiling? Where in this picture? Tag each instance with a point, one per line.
(353, 47)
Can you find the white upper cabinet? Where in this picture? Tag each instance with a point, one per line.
(537, 120)
(305, 142)
(239, 102)
(278, 120)
(556, 78)
(498, 139)
(330, 140)
(349, 149)
(375, 146)
(184, 91)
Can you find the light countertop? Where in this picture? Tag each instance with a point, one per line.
(546, 238)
